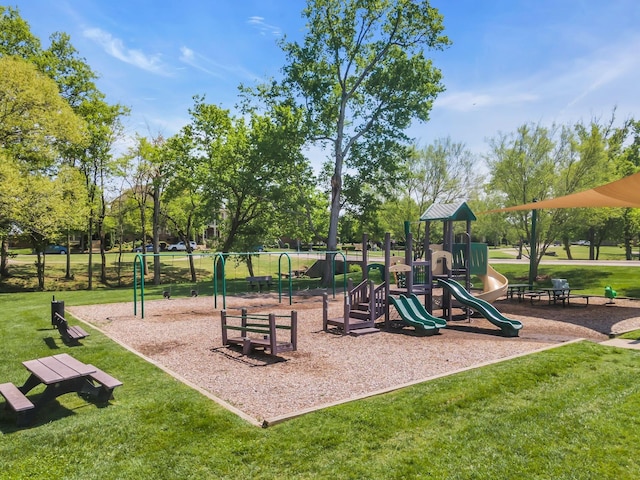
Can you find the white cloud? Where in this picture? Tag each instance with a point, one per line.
(194, 60)
(116, 48)
(263, 27)
(213, 68)
(562, 91)
(605, 67)
(466, 100)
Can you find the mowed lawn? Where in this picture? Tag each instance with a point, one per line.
(569, 412)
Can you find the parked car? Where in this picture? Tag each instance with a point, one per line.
(181, 247)
(582, 242)
(55, 249)
(149, 248)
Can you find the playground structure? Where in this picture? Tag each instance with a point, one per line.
(282, 276)
(610, 294)
(508, 326)
(443, 264)
(494, 285)
(260, 331)
(366, 303)
(415, 315)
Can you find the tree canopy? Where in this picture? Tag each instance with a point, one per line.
(360, 77)
(35, 121)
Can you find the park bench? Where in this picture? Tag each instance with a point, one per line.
(260, 331)
(259, 281)
(68, 333)
(17, 401)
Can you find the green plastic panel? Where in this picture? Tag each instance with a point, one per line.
(479, 257)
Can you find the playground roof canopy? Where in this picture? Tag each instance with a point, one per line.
(448, 211)
(621, 193)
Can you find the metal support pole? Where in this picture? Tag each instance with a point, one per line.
(533, 242)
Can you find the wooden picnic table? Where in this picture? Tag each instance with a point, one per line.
(61, 374)
(259, 281)
(559, 296)
(518, 289)
(295, 273)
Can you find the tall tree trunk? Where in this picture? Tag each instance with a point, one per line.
(120, 252)
(143, 222)
(627, 235)
(4, 258)
(40, 262)
(567, 248)
(101, 236)
(156, 234)
(90, 246)
(68, 268)
(250, 265)
(334, 218)
(103, 256)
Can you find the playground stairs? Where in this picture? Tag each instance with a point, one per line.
(363, 305)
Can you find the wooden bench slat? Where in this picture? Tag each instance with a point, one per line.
(74, 363)
(15, 398)
(42, 372)
(584, 297)
(266, 327)
(60, 367)
(105, 379)
(247, 329)
(67, 332)
(76, 332)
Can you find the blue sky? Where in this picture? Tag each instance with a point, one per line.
(511, 62)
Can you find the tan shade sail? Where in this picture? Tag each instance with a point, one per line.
(621, 193)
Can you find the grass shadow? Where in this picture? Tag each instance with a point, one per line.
(51, 343)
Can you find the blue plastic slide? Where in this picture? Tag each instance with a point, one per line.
(508, 326)
(421, 324)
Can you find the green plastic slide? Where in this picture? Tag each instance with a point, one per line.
(508, 326)
(418, 309)
(421, 324)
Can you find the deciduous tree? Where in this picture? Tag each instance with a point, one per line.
(35, 121)
(361, 76)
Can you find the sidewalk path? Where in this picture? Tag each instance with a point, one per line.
(544, 261)
(622, 343)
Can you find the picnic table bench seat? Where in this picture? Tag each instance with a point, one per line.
(582, 296)
(16, 400)
(563, 298)
(107, 383)
(534, 295)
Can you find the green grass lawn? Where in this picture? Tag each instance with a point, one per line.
(566, 413)
(174, 267)
(176, 274)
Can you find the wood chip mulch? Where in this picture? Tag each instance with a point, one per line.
(183, 336)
